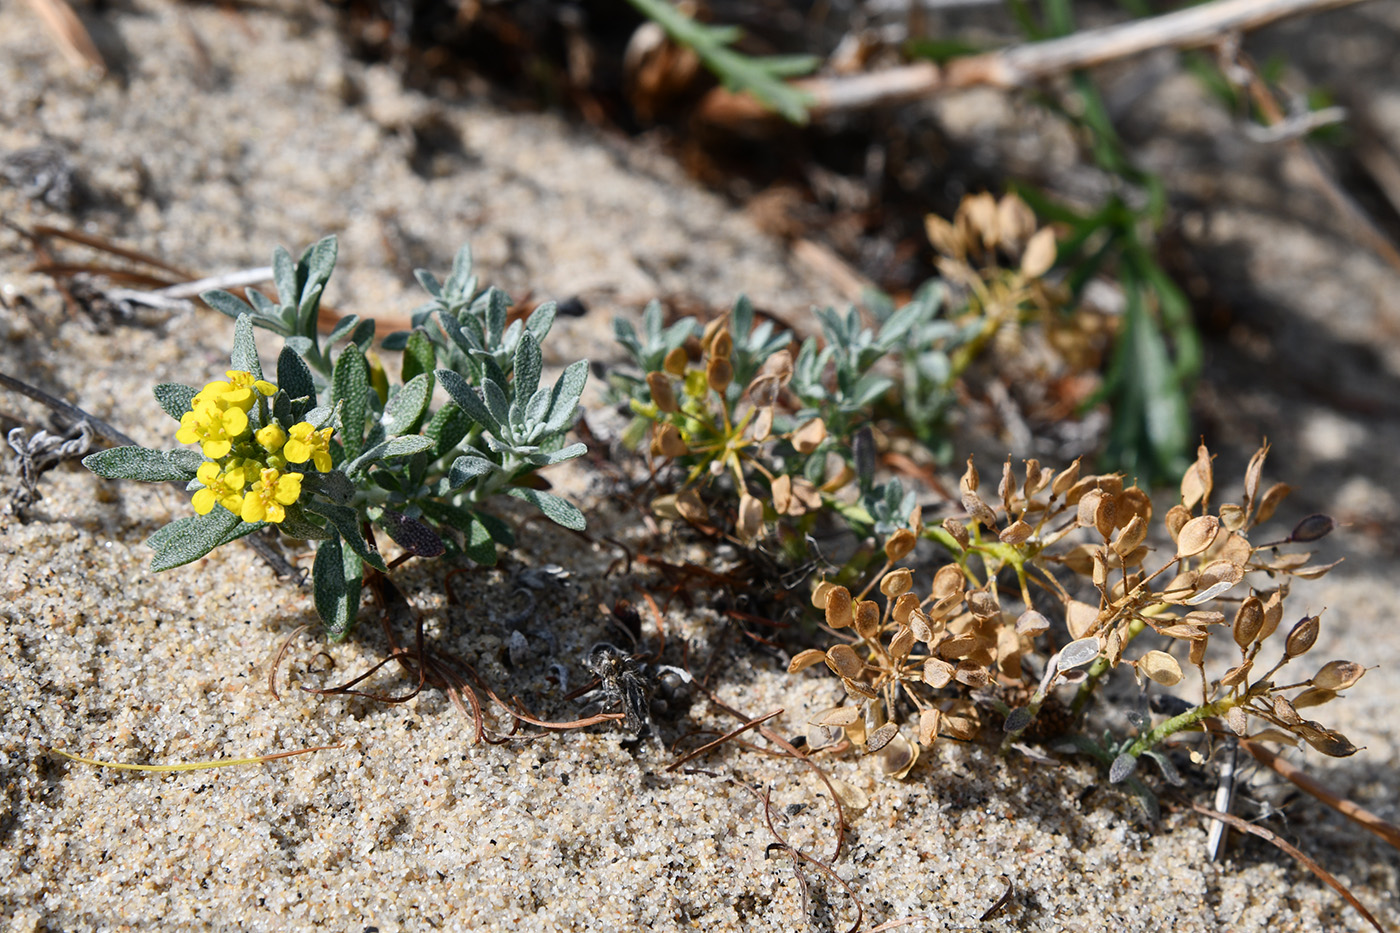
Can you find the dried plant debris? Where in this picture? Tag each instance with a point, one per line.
(630, 685)
(933, 659)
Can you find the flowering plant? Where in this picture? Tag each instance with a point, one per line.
(332, 450)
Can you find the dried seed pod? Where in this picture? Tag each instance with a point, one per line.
(970, 480)
(844, 662)
(1197, 481)
(972, 675)
(1197, 535)
(1273, 614)
(1285, 712)
(1176, 517)
(900, 544)
(1018, 532)
(958, 531)
(1270, 501)
(937, 672)
(838, 607)
(839, 716)
(1249, 621)
(904, 608)
(750, 523)
(1133, 503)
(1302, 637)
(1330, 743)
(690, 507)
(1232, 516)
(1180, 587)
(762, 426)
(853, 799)
(1198, 650)
(943, 236)
(1079, 652)
(722, 346)
(718, 374)
(1113, 648)
(1080, 618)
(1039, 255)
(1015, 220)
(867, 619)
(928, 727)
(782, 494)
(666, 441)
(1099, 570)
(983, 605)
(958, 647)
(1032, 624)
(1008, 652)
(881, 737)
(1313, 696)
(898, 758)
(1237, 674)
(902, 644)
(1036, 479)
(961, 720)
(1160, 667)
(810, 436)
(948, 580)
(1132, 535)
(1315, 571)
(822, 737)
(1238, 720)
(1080, 489)
(1065, 479)
(979, 511)
(805, 659)
(820, 592)
(897, 582)
(859, 690)
(661, 392)
(920, 625)
(1215, 579)
(1251, 476)
(675, 362)
(1338, 675)
(1006, 489)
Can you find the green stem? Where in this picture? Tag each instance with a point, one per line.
(1185, 721)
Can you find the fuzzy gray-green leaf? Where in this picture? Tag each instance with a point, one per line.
(188, 539)
(558, 510)
(139, 463)
(336, 578)
(405, 410)
(350, 387)
(245, 352)
(175, 399)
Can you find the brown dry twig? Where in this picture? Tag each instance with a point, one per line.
(1023, 65)
(68, 31)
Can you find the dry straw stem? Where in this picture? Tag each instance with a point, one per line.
(1023, 65)
(73, 39)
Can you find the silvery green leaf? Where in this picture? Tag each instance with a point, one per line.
(495, 398)
(319, 261)
(490, 370)
(363, 334)
(245, 351)
(510, 447)
(347, 521)
(404, 446)
(469, 398)
(175, 399)
(186, 459)
(510, 340)
(571, 452)
(462, 266)
(1164, 764)
(497, 304)
(429, 282)
(566, 395)
(284, 275)
(625, 334)
(189, 539)
(226, 303)
(465, 337)
(541, 320)
(1122, 768)
(1078, 653)
(1019, 719)
(558, 510)
(527, 366)
(342, 327)
(302, 345)
(349, 388)
(419, 355)
(334, 485)
(141, 464)
(465, 469)
(395, 341)
(307, 308)
(297, 525)
(411, 535)
(264, 309)
(293, 375)
(406, 408)
(535, 411)
(320, 416)
(447, 427)
(336, 577)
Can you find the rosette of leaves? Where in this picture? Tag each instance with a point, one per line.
(420, 473)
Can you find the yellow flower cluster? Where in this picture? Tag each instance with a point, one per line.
(246, 472)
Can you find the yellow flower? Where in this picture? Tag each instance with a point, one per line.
(239, 392)
(222, 487)
(307, 443)
(265, 501)
(214, 430)
(271, 438)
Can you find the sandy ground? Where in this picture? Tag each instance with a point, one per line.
(243, 133)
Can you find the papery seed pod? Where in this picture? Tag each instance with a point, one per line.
(690, 507)
(1252, 474)
(929, 721)
(981, 212)
(859, 690)
(844, 662)
(661, 392)
(1113, 647)
(916, 522)
(1237, 674)
(1273, 614)
(1080, 618)
(1232, 516)
(1039, 255)
(879, 738)
(1180, 587)
(944, 607)
(904, 608)
(943, 236)
(1270, 501)
(901, 644)
(1329, 742)
(958, 531)
(1313, 696)
(949, 579)
(1017, 533)
(761, 428)
(718, 374)
(805, 498)
(1032, 624)
(983, 605)
(1036, 479)
(712, 329)
(750, 523)
(1132, 503)
(1008, 652)
(839, 716)
(1065, 479)
(1312, 528)
(1015, 220)
(898, 758)
(958, 647)
(900, 544)
(676, 361)
(1198, 650)
(867, 619)
(820, 592)
(1238, 720)
(1099, 571)
(1080, 489)
(961, 720)
(722, 346)
(1302, 637)
(937, 672)
(1197, 535)
(1006, 489)
(805, 659)
(1132, 535)
(843, 478)
(782, 493)
(970, 480)
(1338, 675)
(666, 441)
(838, 607)
(1160, 667)
(1285, 713)
(979, 511)
(1197, 481)
(972, 675)
(1249, 621)
(919, 623)
(810, 436)
(1080, 652)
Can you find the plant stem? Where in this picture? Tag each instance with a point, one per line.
(1100, 667)
(1185, 721)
